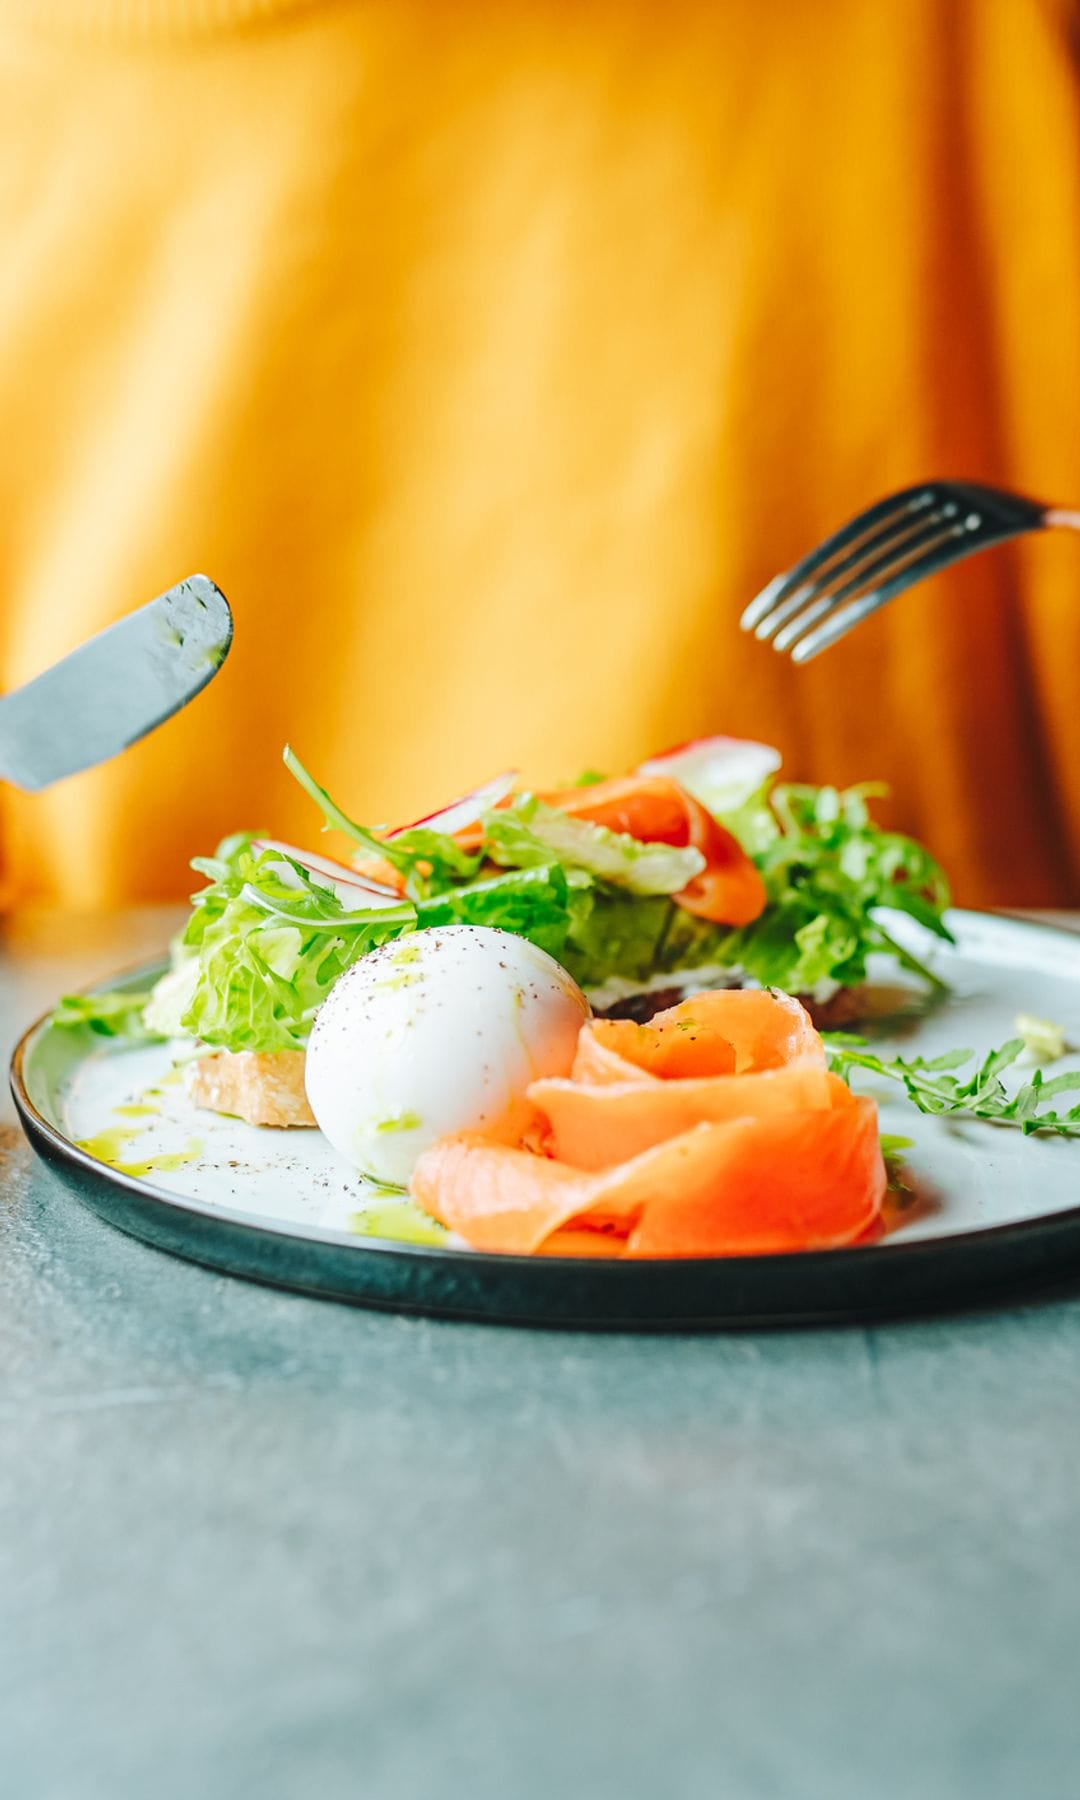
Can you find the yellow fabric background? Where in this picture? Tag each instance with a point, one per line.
(490, 358)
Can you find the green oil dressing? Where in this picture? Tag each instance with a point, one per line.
(136, 1111)
(107, 1147)
(408, 978)
(517, 1023)
(164, 1164)
(406, 1121)
(397, 1219)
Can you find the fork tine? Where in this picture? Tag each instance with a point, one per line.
(900, 553)
(839, 625)
(934, 556)
(862, 566)
(811, 568)
(867, 523)
(788, 595)
(783, 609)
(761, 603)
(789, 633)
(901, 550)
(863, 569)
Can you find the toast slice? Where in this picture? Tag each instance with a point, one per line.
(263, 1087)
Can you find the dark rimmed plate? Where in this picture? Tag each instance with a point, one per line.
(991, 1210)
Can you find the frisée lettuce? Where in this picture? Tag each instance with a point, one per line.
(261, 952)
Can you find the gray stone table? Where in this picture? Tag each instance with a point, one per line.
(257, 1545)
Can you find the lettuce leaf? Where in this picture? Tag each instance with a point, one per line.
(114, 1014)
(634, 938)
(528, 832)
(265, 952)
(538, 903)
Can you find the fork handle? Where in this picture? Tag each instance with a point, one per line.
(1059, 515)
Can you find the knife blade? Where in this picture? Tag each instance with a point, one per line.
(115, 688)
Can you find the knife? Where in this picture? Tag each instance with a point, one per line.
(117, 687)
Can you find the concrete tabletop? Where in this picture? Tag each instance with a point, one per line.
(253, 1544)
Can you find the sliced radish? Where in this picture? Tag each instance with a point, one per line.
(353, 890)
(721, 772)
(465, 811)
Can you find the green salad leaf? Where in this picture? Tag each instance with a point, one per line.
(527, 832)
(541, 904)
(114, 1014)
(828, 868)
(267, 943)
(431, 861)
(635, 938)
(267, 939)
(933, 1085)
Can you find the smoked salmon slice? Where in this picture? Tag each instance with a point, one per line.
(803, 1181)
(716, 1130)
(719, 1056)
(716, 1032)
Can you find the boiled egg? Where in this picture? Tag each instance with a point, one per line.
(437, 1032)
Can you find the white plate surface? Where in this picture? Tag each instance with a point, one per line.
(967, 1176)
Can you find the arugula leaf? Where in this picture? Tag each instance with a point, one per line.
(932, 1087)
(827, 868)
(333, 817)
(429, 860)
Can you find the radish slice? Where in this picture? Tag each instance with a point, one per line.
(721, 772)
(465, 811)
(354, 891)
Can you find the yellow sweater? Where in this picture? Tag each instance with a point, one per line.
(491, 356)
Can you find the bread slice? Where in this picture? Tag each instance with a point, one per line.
(263, 1087)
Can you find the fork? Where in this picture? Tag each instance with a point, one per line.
(884, 550)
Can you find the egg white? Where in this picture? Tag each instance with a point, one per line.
(437, 1032)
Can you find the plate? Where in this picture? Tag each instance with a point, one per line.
(988, 1209)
